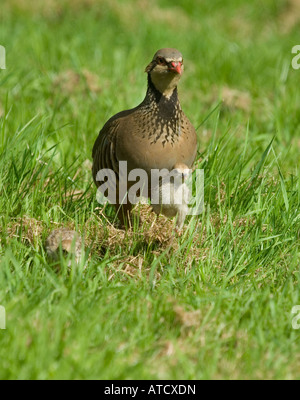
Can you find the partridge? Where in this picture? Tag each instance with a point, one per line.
(64, 241)
(154, 135)
(171, 195)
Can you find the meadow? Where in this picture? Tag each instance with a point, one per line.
(213, 303)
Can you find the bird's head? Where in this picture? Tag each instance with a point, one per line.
(165, 70)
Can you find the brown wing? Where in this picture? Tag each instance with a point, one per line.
(191, 139)
(104, 150)
(104, 156)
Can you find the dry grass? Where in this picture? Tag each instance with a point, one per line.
(236, 99)
(28, 230)
(153, 229)
(49, 8)
(187, 319)
(290, 16)
(69, 82)
(130, 13)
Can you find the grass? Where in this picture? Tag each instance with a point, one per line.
(213, 304)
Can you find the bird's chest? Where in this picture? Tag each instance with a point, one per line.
(160, 130)
(155, 145)
(156, 136)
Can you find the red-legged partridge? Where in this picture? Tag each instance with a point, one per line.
(154, 135)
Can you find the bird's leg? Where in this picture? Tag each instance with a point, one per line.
(124, 214)
(180, 219)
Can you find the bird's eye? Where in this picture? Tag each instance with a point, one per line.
(161, 61)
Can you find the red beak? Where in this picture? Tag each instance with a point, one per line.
(175, 67)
